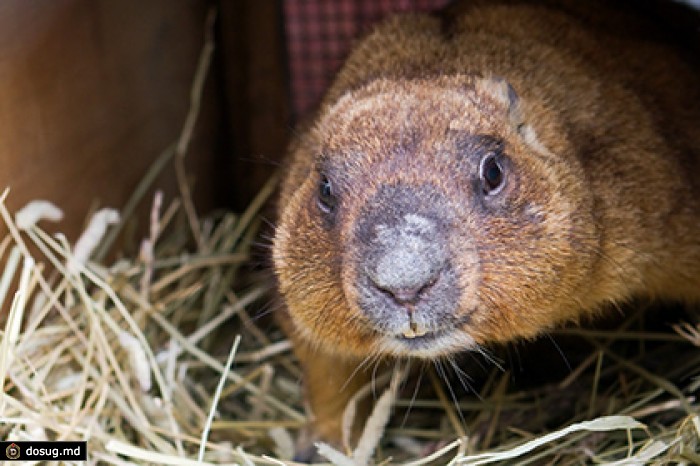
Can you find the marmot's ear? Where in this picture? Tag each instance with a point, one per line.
(503, 92)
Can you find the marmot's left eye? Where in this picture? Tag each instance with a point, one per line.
(491, 174)
(326, 197)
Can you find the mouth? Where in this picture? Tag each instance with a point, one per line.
(424, 343)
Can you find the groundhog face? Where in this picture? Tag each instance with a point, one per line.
(425, 217)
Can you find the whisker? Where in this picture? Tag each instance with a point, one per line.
(560, 351)
(443, 375)
(414, 395)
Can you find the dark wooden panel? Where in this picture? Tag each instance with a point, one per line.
(90, 92)
(255, 88)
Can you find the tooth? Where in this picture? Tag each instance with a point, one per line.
(415, 330)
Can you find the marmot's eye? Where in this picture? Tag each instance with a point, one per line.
(326, 197)
(491, 175)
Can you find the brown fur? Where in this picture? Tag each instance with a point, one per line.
(602, 199)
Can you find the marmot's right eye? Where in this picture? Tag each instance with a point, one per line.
(491, 174)
(326, 197)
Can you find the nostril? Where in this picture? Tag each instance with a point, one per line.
(404, 295)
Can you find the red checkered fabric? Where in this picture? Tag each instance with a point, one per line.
(320, 33)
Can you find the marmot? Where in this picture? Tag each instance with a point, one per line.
(484, 175)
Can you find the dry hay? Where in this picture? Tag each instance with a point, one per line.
(160, 359)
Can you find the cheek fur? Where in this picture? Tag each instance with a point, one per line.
(311, 280)
(530, 278)
(465, 257)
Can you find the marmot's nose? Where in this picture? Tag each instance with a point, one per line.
(405, 280)
(408, 260)
(407, 272)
